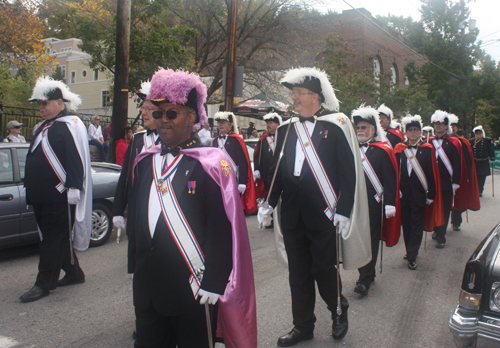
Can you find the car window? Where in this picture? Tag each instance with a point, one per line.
(6, 170)
(21, 156)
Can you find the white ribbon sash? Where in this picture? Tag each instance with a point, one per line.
(441, 154)
(177, 224)
(53, 161)
(271, 143)
(149, 140)
(317, 169)
(417, 168)
(372, 176)
(221, 143)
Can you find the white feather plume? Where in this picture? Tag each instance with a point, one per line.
(411, 119)
(45, 84)
(428, 129)
(227, 116)
(366, 113)
(271, 116)
(453, 119)
(386, 111)
(145, 87)
(479, 128)
(296, 76)
(441, 116)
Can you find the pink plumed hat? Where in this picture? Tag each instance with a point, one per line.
(179, 88)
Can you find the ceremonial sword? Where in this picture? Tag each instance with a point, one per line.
(72, 259)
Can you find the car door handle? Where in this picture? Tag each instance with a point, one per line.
(7, 197)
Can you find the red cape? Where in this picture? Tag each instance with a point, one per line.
(467, 196)
(434, 213)
(260, 189)
(392, 226)
(397, 132)
(248, 199)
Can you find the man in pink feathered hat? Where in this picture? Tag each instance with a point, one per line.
(189, 244)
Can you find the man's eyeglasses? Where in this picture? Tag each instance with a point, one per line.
(147, 109)
(300, 94)
(43, 102)
(411, 130)
(363, 127)
(17, 127)
(171, 114)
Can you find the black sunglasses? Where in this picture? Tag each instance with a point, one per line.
(17, 127)
(171, 114)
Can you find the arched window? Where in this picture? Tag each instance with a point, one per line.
(394, 75)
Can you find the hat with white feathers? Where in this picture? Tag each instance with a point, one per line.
(441, 117)
(46, 88)
(479, 128)
(314, 80)
(409, 121)
(272, 116)
(370, 115)
(428, 129)
(144, 91)
(227, 116)
(453, 119)
(382, 109)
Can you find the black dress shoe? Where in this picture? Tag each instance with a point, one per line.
(340, 326)
(361, 289)
(456, 227)
(34, 294)
(434, 236)
(65, 281)
(440, 245)
(294, 337)
(412, 265)
(405, 257)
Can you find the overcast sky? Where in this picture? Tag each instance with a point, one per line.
(485, 12)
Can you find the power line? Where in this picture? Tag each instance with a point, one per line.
(402, 43)
(490, 34)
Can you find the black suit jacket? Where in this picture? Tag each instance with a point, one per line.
(410, 186)
(160, 273)
(301, 196)
(483, 150)
(454, 157)
(236, 153)
(393, 139)
(262, 161)
(40, 180)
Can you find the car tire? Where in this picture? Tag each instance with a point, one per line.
(102, 224)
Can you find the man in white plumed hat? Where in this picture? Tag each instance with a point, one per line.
(58, 179)
(483, 151)
(394, 135)
(321, 183)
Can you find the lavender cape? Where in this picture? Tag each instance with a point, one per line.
(237, 321)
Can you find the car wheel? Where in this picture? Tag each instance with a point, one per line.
(101, 224)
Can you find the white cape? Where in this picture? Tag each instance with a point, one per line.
(355, 251)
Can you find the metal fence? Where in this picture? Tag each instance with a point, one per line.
(30, 117)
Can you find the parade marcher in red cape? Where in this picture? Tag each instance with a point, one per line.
(263, 154)
(192, 255)
(419, 180)
(382, 185)
(232, 144)
(393, 134)
(321, 184)
(450, 162)
(467, 196)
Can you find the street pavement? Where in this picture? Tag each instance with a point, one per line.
(404, 308)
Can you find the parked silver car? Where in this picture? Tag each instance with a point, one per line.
(17, 220)
(476, 320)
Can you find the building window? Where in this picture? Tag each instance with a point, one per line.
(394, 75)
(63, 68)
(73, 77)
(84, 73)
(377, 70)
(105, 99)
(96, 74)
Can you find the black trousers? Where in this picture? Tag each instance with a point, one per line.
(441, 230)
(456, 217)
(312, 256)
(481, 179)
(188, 330)
(412, 219)
(52, 219)
(367, 273)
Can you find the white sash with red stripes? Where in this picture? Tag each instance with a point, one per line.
(372, 176)
(149, 140)
(172, 213)
(271, 143)
(441, 154)
(417, 168)
(317, 169)
(53, 161)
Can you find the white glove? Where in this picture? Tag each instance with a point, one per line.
(264, 215)
(119, 221)
(455, 187)
(73, 196)
(256, 174)
(400, 194)
(340, 221)
(429, 201)
(211, 297)
(390, 211)
(241, 188)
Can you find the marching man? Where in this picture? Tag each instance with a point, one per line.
(483, 150)
(419, 176)
(191, 241)
(232, 144)
(58, 184)
(393, 134)
(321, 184)
(379, 165)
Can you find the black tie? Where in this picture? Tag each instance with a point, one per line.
(303, 119)
(149, 131)
(222, 136)
(413, 146)
(165, 149)
(364, 145)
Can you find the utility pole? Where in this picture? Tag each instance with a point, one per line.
(231, 65)
(120, 98)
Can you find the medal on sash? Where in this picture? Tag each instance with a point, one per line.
(191, 187)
